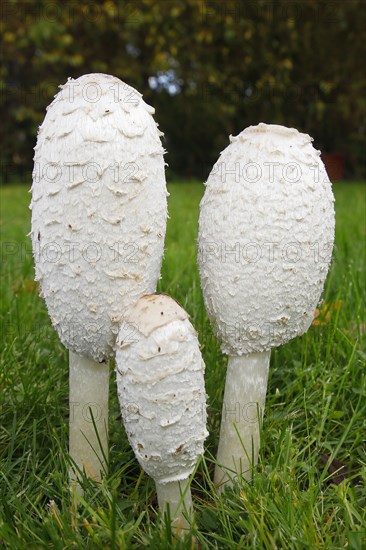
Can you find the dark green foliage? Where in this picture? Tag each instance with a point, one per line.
(218, 67)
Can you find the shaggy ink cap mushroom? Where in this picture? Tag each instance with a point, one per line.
(266, 233)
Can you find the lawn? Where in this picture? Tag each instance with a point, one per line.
(314, 420)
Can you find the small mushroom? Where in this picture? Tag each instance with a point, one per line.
(266, 233)
(160, 379)
(92, 269)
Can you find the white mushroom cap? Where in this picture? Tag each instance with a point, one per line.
(160, 378)
(266, 234)
(99, 209)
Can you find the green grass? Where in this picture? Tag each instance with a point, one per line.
(316, 408)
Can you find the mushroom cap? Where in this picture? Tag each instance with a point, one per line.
(266, 233)
(99, 209)
(160, 379)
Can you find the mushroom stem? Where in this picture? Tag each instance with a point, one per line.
(242, 413)
(88, 399)
(177, 496)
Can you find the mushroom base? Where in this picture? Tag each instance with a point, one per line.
(88, 399)
(176, 495)
(242, 413)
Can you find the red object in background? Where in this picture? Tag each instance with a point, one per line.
(334, 165)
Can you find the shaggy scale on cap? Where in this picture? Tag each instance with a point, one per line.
(99, 209)
(160, 378)
(266, 233)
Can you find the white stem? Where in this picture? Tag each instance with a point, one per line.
(244, 398)
(177, 496)
(88, 398)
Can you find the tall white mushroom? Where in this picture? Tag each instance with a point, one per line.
(98, 224)
(266, 234)
(160, 377)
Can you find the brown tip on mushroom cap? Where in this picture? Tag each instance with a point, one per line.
(262, 127)
(153, 311)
